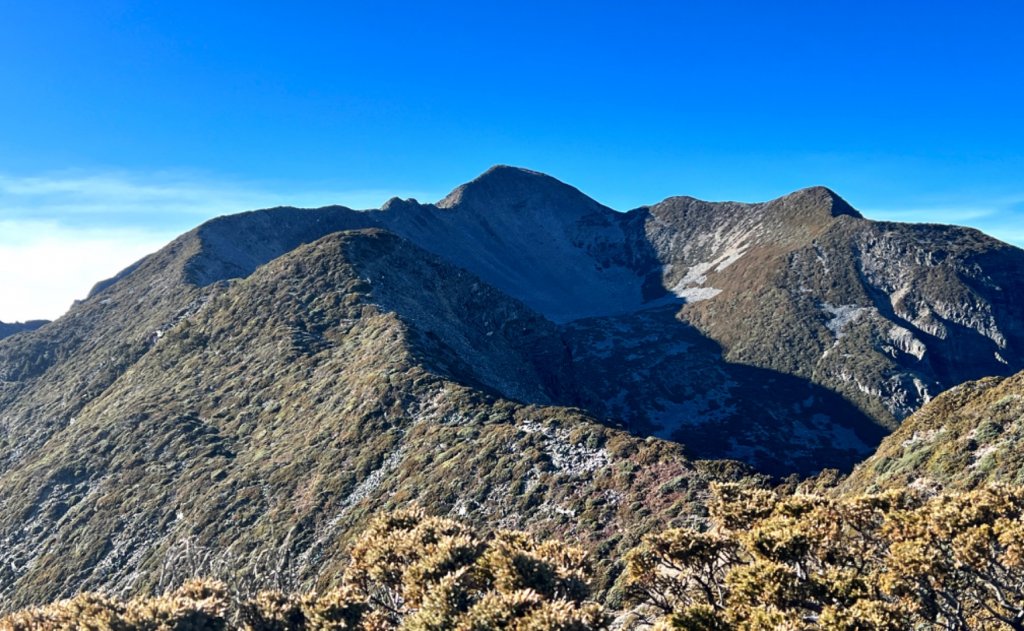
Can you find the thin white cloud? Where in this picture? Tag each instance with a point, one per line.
(1002, 218)
(118, 197)
(144, 198)
(44, 266)
(958, 216)
(61, 233)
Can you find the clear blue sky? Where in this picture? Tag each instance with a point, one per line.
(123, 123)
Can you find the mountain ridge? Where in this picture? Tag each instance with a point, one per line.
(11, 328)
(590, 261)
(967, 437)
(293, 401)
(601, 263)
(536, 361)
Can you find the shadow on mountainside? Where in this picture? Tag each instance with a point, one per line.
(662, 377)
(646, 371)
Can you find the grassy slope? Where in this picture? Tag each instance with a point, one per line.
(260, 432)
(966, 437)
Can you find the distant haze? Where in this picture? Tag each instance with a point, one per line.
(125, 124)
(61, 234)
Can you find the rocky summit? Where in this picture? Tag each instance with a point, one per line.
(517, 355)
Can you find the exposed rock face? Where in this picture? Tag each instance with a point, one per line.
(258, 387)
(261, 421)
(967, 437)
(888, 315)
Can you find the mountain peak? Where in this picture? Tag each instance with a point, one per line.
(503, 174)
(788, 217)
(822, 198)
(514, 187)
(397, 202)
(509, 171)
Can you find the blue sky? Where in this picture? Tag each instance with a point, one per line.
(125, 123)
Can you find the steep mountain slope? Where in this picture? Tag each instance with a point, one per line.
(888, 315)
(968, 436)
(241, 400)
(663, 377)
(597, 272)
(527, 234)
(47, 376)
(9, 329)
(257, 434)
(539, 240)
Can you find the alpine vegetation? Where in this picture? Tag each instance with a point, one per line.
(517, 408)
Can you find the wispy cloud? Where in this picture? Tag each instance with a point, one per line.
(91, 199)
(1001, 217)
(45, 266)
(162, 197)
(61, 233)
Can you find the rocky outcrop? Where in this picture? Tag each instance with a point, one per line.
(966, 438)
(261, 427)
(516, 353)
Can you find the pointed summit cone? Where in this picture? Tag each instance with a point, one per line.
(516, 190)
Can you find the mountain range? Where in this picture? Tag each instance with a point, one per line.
(516, 354)
(8, 329)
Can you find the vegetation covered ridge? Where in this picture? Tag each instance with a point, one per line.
(796, 558)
